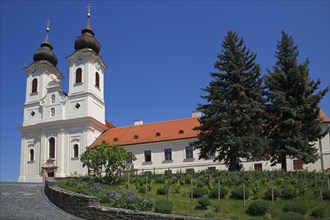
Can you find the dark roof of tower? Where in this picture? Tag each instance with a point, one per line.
(87, 39)
(45, 52)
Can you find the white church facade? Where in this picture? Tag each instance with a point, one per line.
(58, 126)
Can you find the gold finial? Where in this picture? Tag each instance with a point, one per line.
(89, 10)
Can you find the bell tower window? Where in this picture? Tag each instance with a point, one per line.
(34, 85)
(78, 75)
(31, 155)
(52, 147)
(97, 80)
(75, 150)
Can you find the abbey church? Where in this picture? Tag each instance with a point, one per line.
(58, 126)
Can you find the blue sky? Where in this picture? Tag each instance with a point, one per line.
(159, 53)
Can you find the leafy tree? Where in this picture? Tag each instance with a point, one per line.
(293, 106)
(110, 159)
(232, 119)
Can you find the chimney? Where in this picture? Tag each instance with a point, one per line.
(196, 114)
(138, 122)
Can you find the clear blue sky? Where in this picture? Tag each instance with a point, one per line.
(159, 53)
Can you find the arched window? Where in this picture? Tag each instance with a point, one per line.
(31, 155)
(78, 75)
(53, 98)
(52, 147)
(75, 150)
(52, 111)
(97, 80)
(34, 85)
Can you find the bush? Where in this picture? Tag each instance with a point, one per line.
(326, 194)
(289, 216)
(204, 202)
(188, 178)
(161, 191)
(214, 192)
(295, 207)
(142, 189)
(237, 193)
(268, 194)
(160, 179)
(258, 208)
(198, 192)
(200, 183)
(288, 193)
(164, 206)
(318, 212)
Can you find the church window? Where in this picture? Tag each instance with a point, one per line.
(31, 155)
(32, 113)
(181, 132)
(211, 154)
(52, 147)
(168, 153)
(136, 137)
(75, 150)
(78, 75)
(147, 156)
(52, 111)
(34, 85)
(53, 98)
(77, 106)
(97, 80)
(189, 152)
(157, 134)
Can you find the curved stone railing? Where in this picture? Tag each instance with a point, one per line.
(88, 207)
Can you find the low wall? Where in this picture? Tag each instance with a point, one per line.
(88, 207)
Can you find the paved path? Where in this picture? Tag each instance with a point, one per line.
(27, 201)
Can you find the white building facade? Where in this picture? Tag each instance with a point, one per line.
(57, 127)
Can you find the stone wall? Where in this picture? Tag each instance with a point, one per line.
(88, 207)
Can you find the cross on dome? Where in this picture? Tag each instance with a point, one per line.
(47, 25)
(89, 10)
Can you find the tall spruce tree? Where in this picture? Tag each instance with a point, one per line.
(231, 122)
(293, 106)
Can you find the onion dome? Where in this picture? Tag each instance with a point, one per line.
(46, 50)
(87, 39)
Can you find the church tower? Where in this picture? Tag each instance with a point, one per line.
(57, 127)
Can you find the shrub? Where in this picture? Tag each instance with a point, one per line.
(142, 189)
(204, 202)
(288, 193)
(198, 192)
(295, 207)
(200, 183)
(188, 178)
(164, 206)
(318, 212)
(160, 179)
(326, 194)
(258, 208)
(214, 192)
(289, 216)
(237, 193)
(268, 194)
(161, 191)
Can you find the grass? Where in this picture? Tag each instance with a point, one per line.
(225, 208)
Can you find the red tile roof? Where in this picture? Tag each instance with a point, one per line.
(325, 118)
(153, 132)
(159, 131)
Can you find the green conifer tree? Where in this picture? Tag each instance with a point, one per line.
(232, 118)
(293, 106)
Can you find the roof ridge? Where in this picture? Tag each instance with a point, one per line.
(153, 123)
